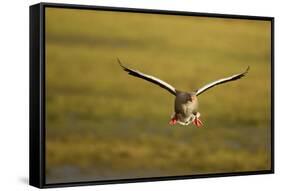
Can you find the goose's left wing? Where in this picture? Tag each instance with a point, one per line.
(221, 81)
(149, 78)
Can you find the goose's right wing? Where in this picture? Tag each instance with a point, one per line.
(149, 78)
(221, 81)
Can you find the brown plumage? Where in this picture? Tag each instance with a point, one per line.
(186, 103)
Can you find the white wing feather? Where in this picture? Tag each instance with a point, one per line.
(149, 78)
(156, 80)
(221, 81)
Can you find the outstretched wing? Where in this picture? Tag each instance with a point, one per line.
(149, 78)
(221, 81)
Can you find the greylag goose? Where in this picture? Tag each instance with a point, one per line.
(186, 103)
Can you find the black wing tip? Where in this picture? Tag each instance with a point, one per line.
(247, 70)
(120, 63)
(242, 74)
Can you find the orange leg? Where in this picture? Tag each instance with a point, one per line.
(197, 122)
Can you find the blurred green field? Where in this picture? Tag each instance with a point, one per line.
(104, 124)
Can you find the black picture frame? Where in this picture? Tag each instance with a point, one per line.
(37, 94)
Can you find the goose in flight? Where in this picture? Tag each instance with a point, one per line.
(186, 103)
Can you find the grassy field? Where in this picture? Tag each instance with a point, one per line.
(105, 124)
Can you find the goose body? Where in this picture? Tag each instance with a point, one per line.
(186, 103)
(185, 108)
